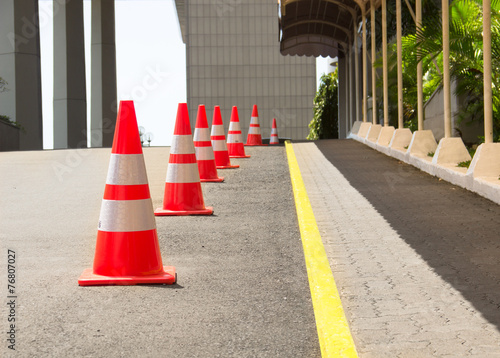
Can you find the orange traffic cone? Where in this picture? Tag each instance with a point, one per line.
(274, 134)
(254, 137)
(203, 148)
(219, 142)
(183, 195)
(127, 250)
(235, 146)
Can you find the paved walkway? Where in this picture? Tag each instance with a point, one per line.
(415, 258)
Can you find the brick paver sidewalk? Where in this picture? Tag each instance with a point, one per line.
(415, 258)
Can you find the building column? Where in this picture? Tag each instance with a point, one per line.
(400, 63)
(374, 57)
(20, 67)
(420, 87)
(365, 82)
(70, 104)
(446, 67)
(343, 97)
(103, 73)
(356, 74)
(384, 61)
(351, 93)
(488, 106)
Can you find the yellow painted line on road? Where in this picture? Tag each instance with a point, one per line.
(334, 335)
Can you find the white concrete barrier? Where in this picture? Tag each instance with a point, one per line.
(384, 139)
(399, 143)
(485, 171)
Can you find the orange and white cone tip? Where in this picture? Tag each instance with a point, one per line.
(218, 138)
(203, 148)
(254, 136)
(127, 250)
(183, 195)
(274, 134)
(235, 146)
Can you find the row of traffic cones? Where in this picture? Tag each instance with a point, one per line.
(127, 249)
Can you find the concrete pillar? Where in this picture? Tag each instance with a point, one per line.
(384, 62)
(420, 74)
(488, 106)
(350, 95)
(342, 72)
(103, 73)
(20, 67)
(446, 68)
(374, 56)
(400, 63)
(70, 107)
(365, 82)
(356, 74)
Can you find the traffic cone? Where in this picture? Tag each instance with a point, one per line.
(203, 148)
(127, 250)
(274, 134)
(183, 195)
(235, 146)
(254, 137)
(219, 142)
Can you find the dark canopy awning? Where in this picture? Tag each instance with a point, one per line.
(318, 27)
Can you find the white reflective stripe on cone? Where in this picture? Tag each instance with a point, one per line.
(201, 134)
(254, 120)
(204, 153)
(182, 173)
(234, 138)
(219, 145)
(218, 129)
(254, 130)
(234, 126)
(127, 169)
(182, 144)
(126, 215)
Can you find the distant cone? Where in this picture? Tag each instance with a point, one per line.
(218, 138)
(254, 136)
(127, 250)
(235, 146)
(274, 134)
(203, 147)
(183, 195)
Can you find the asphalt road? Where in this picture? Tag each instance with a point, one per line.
(242, 288)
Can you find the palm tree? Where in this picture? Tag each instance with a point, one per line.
(466, 55)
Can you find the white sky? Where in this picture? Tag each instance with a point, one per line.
(148, 41)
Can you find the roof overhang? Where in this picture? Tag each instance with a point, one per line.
(318, 27)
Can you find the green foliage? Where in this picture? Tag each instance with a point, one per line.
(465, 164)
(5, 118)
(3, 85)
(466, 57)
(324, 124)
(466, 60)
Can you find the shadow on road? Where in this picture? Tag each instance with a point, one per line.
(454, 230)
